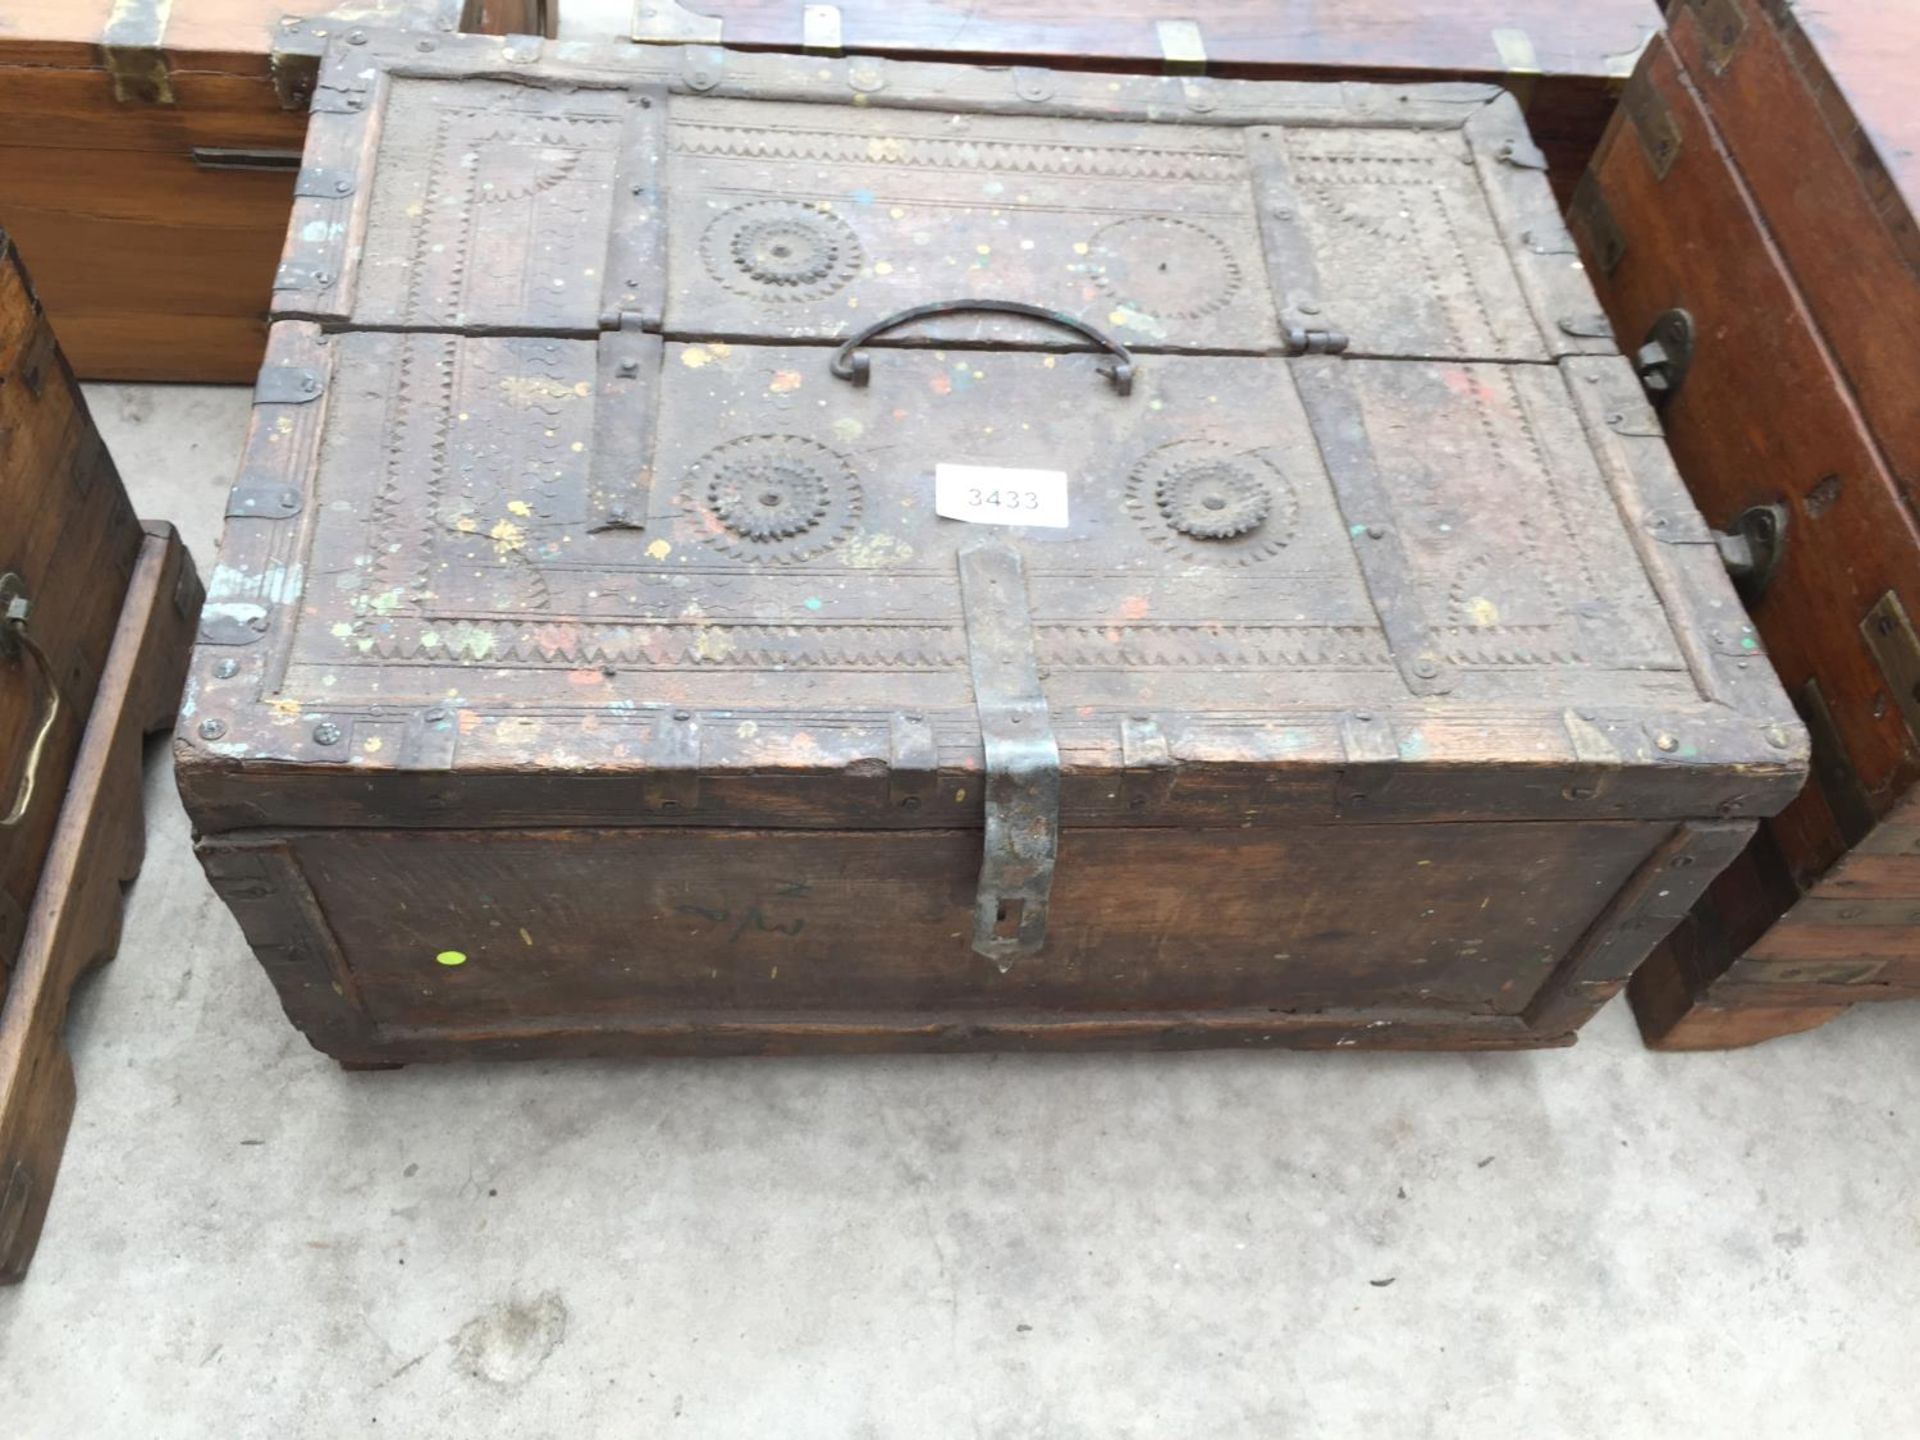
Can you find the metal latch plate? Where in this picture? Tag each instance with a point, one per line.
(1022, 758)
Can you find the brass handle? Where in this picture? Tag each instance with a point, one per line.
(850, 362)
(14, 640)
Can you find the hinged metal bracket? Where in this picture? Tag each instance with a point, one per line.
(278, 501)
(1664, 357)
(323, 182)
(1146, 764)
(672, 783)
(232, 622)
(1721, 28)
(1589, 214)
(913, 763)
(287, 385)
(1752, 548)
(1646, 110)
(820, 32)
(1022, 758)
(1314, 342)
(1889, 636)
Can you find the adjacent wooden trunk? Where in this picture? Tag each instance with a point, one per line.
(147, 158)
(1760, 178)
(96, 612)
(588, 668)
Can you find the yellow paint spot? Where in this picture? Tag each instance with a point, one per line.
(285, 711)
(659, 549)
(774, 973)
(526, 937)
(713, 644)
(874, 552)
(694, 356)
(720, 348)
(520, 507)
(959, 797)
(747, 729)
(882, 147)
(527, 389)
(1079, 247)
(465, 525)
(507, 538)
(983, 249)
(583, 389)
(897, 213)
(371, 745)
(785, 381)
(451, 957)
(882, 267)
(341, 630)
(577, 446)
(1483, 612)
(1050, 362)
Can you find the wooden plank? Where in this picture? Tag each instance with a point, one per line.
(69, 535)
(75, 921)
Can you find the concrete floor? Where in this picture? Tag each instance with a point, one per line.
(1597, 1242)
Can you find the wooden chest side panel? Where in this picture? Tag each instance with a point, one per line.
(563, 927)
(1819, 170)
(1763, 417)
(69, 533)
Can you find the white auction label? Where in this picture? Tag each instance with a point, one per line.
(999, 495)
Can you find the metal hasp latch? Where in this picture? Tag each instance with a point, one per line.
(1751, 550)
(1663, 357)
(1022, 789)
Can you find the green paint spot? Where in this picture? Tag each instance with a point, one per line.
(1356, 531)
(451, 957)
(813, 602)
(1747, 642)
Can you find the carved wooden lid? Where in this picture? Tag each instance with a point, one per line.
(561, 467)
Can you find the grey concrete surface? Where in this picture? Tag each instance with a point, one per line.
(1597, 1242)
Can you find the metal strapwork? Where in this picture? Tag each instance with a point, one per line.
(1022, 758)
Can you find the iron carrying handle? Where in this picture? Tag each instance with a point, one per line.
(850, 362)
(14, 640)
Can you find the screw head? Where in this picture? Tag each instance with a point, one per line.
(326, 733)
(629, 367)
(436, 716)
(909, 802)
(356, 37)
(1777, 737)
(683, 714)
(226, 669)
(212, 729)
(1426, 669)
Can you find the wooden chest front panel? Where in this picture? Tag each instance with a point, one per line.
(440, 938)
(70, 535)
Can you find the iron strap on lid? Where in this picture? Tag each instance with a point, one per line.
(1022, 757)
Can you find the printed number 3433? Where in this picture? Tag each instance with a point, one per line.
(1004, 499)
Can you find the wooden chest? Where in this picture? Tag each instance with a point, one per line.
(96, 611)
(595, 662)
(147, 158)
(1751, 215)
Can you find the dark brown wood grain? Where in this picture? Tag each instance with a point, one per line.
(516, 728)
(69, 534)
(154, 234)
(1815, 105)
(96, 851)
